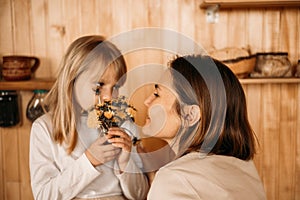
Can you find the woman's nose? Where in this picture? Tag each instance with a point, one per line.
(148, 101)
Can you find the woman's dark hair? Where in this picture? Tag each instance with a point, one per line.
(237, 137)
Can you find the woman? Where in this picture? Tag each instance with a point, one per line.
(202, 114)
(69, 160)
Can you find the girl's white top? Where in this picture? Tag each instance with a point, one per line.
(57, 175)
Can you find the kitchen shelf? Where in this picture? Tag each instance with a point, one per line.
(269, 80)
(249, 3)
(32, 84)
(48, 83)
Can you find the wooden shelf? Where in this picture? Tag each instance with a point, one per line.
(269, 80)
(249, 3)
(31, 84)
(48, 83)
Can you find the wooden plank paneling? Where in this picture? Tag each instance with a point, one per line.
(255, 28)
(238, 38)
(55, 34)
(46, 27)
(22, 27)
(222, 28)
(287, 170)
(254, 108)
(38, 32)
(103, 17)
(10, 163)
(2, 180)
(290, 43)
(187, 17)
(155, 13)
(7, 27)
(86, 16)
(270, 120)
(297, 174)
(23, 147)
(270, 32)
(120, 17)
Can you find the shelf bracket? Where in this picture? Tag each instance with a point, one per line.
(212, 14)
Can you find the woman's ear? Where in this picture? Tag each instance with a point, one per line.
(192, 114)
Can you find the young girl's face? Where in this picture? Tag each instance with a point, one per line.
(88, 83)
(162, 121)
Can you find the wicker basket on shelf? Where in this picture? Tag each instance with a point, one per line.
(242, 66)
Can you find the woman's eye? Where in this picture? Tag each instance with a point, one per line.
(117, 87)
(99, 84)
(155, 94)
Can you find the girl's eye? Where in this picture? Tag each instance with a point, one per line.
(155, 94)
(98, 87)
(96, 90)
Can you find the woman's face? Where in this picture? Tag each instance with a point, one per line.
(88, 82)
(162, 121)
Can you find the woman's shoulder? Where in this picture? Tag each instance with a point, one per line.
(196, 161)
(219, 173)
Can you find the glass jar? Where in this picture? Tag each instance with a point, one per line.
(9, 108)
(297, 74)
(36, 106)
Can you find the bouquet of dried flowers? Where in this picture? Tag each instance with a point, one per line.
(111, 114)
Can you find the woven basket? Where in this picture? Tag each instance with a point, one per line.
(241, 66)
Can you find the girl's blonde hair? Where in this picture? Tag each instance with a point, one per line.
(79, 56)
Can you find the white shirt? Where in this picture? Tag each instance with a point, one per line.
(57, 175)
(212, 177)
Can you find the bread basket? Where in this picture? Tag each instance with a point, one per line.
(242, 66)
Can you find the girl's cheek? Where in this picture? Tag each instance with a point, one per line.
(84, 96)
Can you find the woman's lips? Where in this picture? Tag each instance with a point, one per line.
(147, 121)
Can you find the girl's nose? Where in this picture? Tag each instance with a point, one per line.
(106, 94)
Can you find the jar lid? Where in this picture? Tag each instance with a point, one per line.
(8, 92)
(40, 91)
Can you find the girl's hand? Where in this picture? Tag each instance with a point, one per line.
(118, 138)
(100, 152)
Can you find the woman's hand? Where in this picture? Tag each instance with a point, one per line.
(118, 138)
(100, 152)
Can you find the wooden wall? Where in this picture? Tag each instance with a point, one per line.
(45, 28)
(274, 113)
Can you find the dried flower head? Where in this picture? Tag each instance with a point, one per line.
(111, 114)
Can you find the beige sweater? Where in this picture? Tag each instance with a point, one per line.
(212, 177)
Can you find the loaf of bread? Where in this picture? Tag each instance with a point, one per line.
(229, 53)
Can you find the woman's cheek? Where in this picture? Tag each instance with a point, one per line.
(158, 118)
